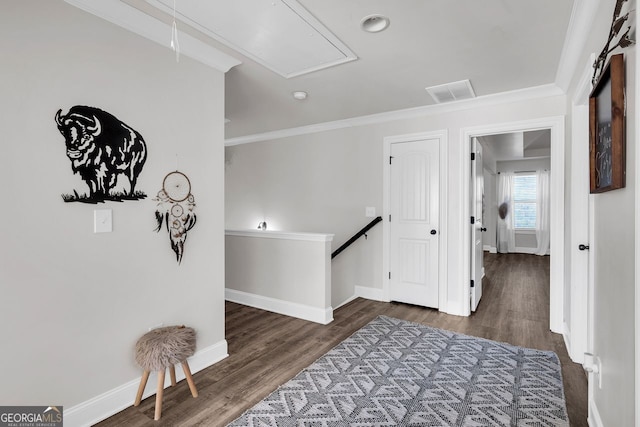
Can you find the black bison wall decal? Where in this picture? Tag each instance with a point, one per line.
(101, 149)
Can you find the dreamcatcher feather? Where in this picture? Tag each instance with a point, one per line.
(175, 209)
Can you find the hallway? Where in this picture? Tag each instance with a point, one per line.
(515, 309)
(267, 349)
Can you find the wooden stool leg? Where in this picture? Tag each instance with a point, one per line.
(143, 384)
(159, 395)
(187, 374)
(172, 374)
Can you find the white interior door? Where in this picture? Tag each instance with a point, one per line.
(413, 232)
(579, 300)
(477, 213)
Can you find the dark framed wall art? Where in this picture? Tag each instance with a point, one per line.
(607, 148)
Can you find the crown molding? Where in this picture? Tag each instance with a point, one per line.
(409, 113)
(582, 16)
(138, 22)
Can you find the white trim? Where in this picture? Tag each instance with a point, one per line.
(366, 292)
(556, 124)
(578, 199)
(490, 249)
(566, 335)
(347, 301)
(113, 401)
(323, 316)
(284, 235)
(584, 86)
(593, 417)
(138, 22)
(443, 137)
(479, 102)
(636, 68)
(523, 250)
(375, 294)
(582, 16)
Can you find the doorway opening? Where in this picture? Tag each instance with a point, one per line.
(555, 127)
(509, 202)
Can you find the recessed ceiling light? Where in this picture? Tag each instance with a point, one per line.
(299, 95)
(374, 23)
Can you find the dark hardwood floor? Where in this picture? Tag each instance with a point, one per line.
(267, 349)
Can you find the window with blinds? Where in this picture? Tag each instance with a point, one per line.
(524, 201)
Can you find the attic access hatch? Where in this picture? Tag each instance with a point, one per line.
(279, 34)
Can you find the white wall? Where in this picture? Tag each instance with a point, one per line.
(489, 163)
(524, 165)
(280, 272)
(613, 249)
(313, 184)
(489, 239)
(73, 303)
(322, 182)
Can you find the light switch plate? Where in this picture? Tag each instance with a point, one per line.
(370, 212)
(102, 221)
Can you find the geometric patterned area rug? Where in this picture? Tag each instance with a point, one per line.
(398, 373)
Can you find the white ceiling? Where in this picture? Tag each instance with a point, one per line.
(518, 145)
(280, 35)
(499, 45)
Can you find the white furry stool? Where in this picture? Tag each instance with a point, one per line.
(160, 349)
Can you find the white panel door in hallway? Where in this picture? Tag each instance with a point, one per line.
(414, 234)
(477, 212)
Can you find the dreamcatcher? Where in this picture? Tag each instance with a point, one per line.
(175, 209)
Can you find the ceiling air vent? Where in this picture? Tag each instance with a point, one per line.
(449, 92)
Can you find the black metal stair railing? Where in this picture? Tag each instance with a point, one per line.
(356, 237)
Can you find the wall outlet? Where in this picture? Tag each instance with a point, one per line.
(370, 212)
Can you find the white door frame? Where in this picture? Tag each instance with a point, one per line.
(556, 125)
(578, 333)
(637, 234)
(477, 257)
(442, 136)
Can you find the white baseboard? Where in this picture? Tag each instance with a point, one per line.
(566, 335)
(490, 249)
(363, 292)
(523, 250)
(593, 418)
(113, 401)
(366, 292)
(347, 301)
(288, 308)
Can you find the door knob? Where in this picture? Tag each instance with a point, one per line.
(433, 231)
(583, 247)
(483, 228)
